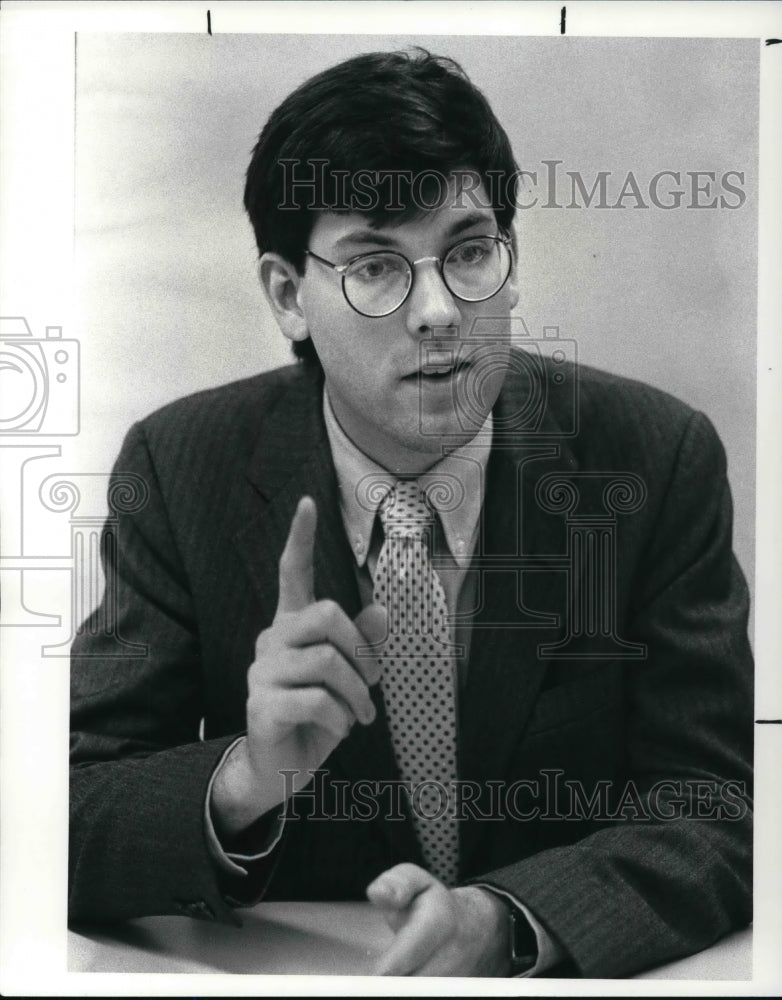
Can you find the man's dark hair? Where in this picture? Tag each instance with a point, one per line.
(370, 124)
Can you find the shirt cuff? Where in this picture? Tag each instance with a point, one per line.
(232, 862)
(550, 952)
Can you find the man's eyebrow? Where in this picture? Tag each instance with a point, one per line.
(365, 236)
(470, 220)
(377, 237)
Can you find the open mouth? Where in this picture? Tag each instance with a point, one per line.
(439, 372)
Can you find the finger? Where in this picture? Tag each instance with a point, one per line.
(429, 926)
(394, 890)
(382, 895)
(398, 886)
(311, 706)
(325, 621)
(324, 666)
(372, 623)
(296, 561)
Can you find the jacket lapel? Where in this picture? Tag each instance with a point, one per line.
(517, 611)
(293, 459)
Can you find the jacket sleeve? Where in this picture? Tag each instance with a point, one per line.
(139, 771)
(645, 889)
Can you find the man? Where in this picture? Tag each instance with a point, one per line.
(426, 619)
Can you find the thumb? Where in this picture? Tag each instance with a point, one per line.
(296, 561)
(396, 888)
(372, 623)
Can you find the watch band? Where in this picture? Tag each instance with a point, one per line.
(523, 943)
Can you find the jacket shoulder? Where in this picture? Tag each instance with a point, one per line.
(604, 392)
(227, 411)
(613, 422)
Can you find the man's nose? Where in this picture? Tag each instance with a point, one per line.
(430, 304)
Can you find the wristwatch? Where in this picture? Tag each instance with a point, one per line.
(523, 943)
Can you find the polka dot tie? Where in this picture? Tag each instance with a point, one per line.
(417, 678)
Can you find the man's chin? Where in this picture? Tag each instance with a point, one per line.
(440, 434)
(410, 452)
(459, 421)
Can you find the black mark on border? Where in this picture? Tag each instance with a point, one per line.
(209, 22)
(768, 722)
(774, 41)
(563, 15)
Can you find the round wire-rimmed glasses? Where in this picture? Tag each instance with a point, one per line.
(376, 284)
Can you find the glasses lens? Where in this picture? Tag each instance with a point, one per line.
(376, 284)
(476, 269)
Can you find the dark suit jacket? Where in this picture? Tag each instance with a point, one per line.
(660, 692)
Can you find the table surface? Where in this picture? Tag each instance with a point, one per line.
(307, 938)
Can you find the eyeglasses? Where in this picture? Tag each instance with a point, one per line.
(378, 283)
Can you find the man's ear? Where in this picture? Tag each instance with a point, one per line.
(280, 281)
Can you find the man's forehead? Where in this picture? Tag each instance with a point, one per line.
(455, 216)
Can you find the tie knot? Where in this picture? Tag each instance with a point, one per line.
(405, 510)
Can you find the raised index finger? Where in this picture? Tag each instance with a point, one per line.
(296, 561)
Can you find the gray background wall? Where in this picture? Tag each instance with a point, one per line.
(166, 261)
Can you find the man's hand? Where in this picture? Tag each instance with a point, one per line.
(440, 931)
(306, 687)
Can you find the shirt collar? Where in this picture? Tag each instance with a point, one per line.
(454, 487)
